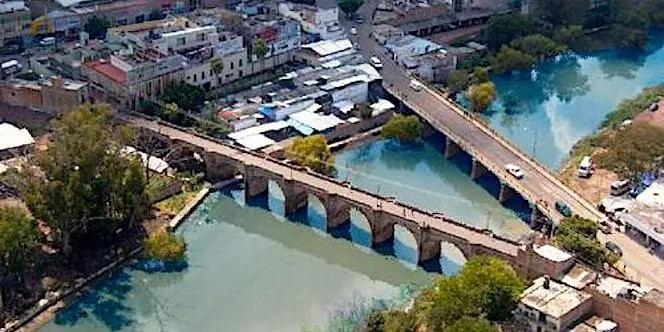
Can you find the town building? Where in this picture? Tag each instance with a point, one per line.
(121, 12)
(55, 95)
(433, 67)
(320, 21)
(62, 23)
(550, 306)
(406, 48)
(14, 22)
(14, 141)
(326, 51)
(386, 34)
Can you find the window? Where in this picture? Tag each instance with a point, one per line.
(200, 37)
(211, 72)
(181, 41)
(539, 329)
(232, 65)
(202, 75)
(239, 63)
(239, 73)
(219, 80)
(542, 317)
(194, 77)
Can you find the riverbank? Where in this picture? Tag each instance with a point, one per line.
(630, 110)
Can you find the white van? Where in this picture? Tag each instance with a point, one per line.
(48, 41)
(586, 167)
(619, 187)
(415, 85)
(376, 62)
(11, 67)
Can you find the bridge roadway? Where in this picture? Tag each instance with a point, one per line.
(331, 186)
(538, 185)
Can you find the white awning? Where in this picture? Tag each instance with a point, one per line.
(382, 105)
(270, 126)
(255, 142)
(344, 106)
(13, 137)
(154, 164)
(316, 121)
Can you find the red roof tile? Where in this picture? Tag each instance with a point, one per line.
(105, 68)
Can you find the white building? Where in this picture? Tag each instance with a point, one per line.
(187, 38)
(321, 20)
(551, 306)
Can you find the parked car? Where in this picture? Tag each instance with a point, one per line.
(514, 170)
(604, 226)
(614, 248)
(359, 19)
(618, 188)
(653, 107)
(563, 208)
(585, 167)
(415, 85)
(376, 62)
(47, 41)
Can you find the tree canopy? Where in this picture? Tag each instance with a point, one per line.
(184, 95)
(538, 46)
(480, 75)
(87, 182)
(405, 128)
(482, 95)
(635, 150)
(19, 240)
(502, 29)
(472, 324)
(165, 246)
(579, 236)
(313, 152)
(457, 81)
(260, 48)
(217, 65)
(509, 59)
(349, 7)
(96, 26)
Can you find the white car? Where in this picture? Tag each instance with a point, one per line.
(376, 62)
(353, 31)
(415, 85)
(514, 170)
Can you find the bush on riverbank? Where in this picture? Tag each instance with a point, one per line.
(579, 236)
(312, 152)
(165, 246)
(403, 128)
(629, 108)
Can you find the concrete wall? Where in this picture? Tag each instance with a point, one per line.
(643, 315)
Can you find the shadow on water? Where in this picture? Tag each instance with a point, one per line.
(105, 303)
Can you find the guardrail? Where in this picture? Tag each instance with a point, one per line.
(459, 109)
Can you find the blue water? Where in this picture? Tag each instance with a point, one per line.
(568, 97)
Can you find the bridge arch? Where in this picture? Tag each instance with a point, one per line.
(360, 228)
(451, 258)
(405, 245)
(316, 212)
(276, 199)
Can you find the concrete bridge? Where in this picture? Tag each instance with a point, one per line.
(489, 151)
(301, 187)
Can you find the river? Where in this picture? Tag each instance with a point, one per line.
(250, 269)
(548, 110)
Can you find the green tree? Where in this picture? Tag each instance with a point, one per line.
(564, 12)
(509, 59)
(87, 182)
(637, 149)
(170, 111)
(579, 236)
(365, 110)
(568, 35)
(165, 246)
(482, 95)
(502, 29)
(260, 48)
(457, 81)
(472, 324)
(349, 7)
(96, 26)
(404, 128)
(185, 95)
(217, 65)
(399, 321)
(480, 75)
(312, 152)
(19, 241)
(375, 322)
(538, 46)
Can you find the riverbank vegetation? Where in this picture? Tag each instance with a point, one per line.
(313, 152)
(403, 128)
(624, 148)
(579, 236)
(482, 95)
(86, 202)
(165, 246)
(479, 298)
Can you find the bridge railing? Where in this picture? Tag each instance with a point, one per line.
(436, 215)
(477, 121)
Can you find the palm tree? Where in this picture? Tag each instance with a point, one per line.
(260, 48)
(217, 65)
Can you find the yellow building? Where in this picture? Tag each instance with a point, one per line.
(14, 21)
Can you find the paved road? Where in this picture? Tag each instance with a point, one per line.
(331, 186)
(638, 262)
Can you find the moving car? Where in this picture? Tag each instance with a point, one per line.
(359, 19)
(48, 41)
(352, 31)
(614, 248)
(563, 209)
(415, 85)
(514, 170)
(376, 62)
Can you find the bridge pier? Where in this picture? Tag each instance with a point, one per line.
(506, 192)
(338, 211)
(380, 231)
(295, 196)
(217, 168)
(451, 148)
(428, 247)
(477, 170)
(254, 182)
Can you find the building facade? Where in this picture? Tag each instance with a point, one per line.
(14, 22)
(322, 22)
(55, 95)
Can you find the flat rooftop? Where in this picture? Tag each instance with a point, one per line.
(554, 300)
(12, 6)
(552, 253)
(107, 69)
(615, 287)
